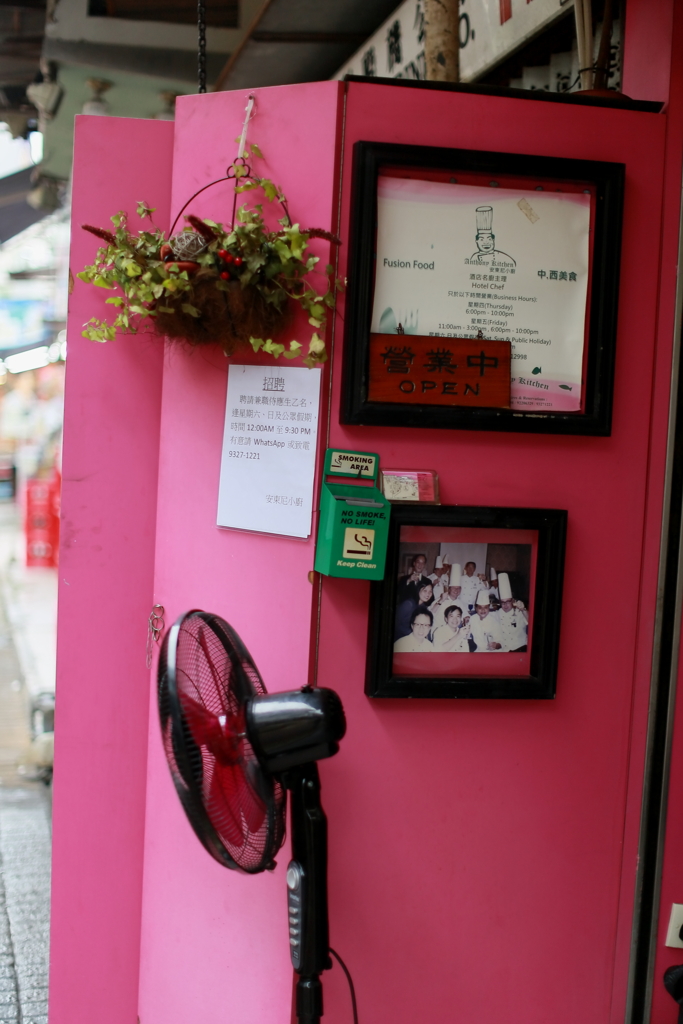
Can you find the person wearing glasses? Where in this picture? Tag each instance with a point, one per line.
(416, 641)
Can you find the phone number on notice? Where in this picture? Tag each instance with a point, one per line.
(243, 455)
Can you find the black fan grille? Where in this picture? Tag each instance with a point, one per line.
(207, 677)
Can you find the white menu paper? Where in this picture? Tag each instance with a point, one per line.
(269, 446)
(455, 259)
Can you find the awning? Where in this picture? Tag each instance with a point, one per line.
(301, 41)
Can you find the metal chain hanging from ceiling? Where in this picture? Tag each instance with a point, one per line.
(201, 45)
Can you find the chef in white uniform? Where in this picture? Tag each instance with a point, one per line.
(441, 586)
(471, 585)
(493, 583)
(439, 578)
(450, 595)
(484, 626)
(513, 617)
(438, 565)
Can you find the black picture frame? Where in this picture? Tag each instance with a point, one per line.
(550, 526)
(608, 178)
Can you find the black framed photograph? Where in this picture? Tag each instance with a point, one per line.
(482, 290)
(470, 604)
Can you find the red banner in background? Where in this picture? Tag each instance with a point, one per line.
(41, 524)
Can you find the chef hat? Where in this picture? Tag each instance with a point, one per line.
(439, 562)
(456, 573)
(483, 597)
(504, 588)
(484, 216)
(493, 573)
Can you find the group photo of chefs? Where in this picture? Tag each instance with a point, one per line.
(463, 598)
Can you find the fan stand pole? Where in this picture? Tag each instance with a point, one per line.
(309, 863)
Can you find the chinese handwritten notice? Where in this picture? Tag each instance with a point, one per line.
(456, 259)
(269, 445)
(423, 370)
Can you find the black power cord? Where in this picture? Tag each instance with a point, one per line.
(201, 45)
(350, 981)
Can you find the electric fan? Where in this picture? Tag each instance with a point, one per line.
(233, 751)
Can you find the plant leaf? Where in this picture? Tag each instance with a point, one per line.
(143, 210)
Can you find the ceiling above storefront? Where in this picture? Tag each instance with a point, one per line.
(301, 41)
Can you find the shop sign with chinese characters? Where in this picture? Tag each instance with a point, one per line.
(269, 446)
(425, 370)
(489, 31)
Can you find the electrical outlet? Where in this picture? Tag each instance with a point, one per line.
(673, 937)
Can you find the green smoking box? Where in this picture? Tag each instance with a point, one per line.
(354, 518)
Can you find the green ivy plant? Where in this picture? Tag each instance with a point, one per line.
(276, 263)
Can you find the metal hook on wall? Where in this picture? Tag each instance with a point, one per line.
(249, 114)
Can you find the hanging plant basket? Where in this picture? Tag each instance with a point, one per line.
(230, 318)
(208, 284)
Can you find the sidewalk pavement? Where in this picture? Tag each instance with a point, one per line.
(27, 657)
(25, 843)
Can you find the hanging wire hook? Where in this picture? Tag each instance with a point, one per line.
(230, 175)
(249, 113)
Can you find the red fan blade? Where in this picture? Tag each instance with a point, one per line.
(201, 636)
(231, 786)
(223, 737)
(222, 798)
(253, 807)
(204, 725)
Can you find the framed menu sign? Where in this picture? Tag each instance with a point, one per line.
(483, 290)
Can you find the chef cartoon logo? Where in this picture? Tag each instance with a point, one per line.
(358, 543)
(487, 254)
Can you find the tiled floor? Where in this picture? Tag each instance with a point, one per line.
(27, 628)
(24, 904)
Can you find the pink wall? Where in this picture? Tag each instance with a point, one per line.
(664, 1010)
(111, 449)
(219, 948)
(482, 853)
(647, 61)
(500, 825)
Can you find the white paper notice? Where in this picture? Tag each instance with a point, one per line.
(455, 259)
(269, 444)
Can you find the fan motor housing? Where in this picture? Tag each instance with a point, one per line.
(295, 727)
